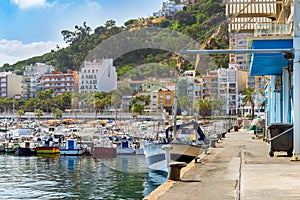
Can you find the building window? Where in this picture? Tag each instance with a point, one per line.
(168, 97)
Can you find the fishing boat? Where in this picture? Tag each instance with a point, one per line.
(125, 146)
(47, 150)
(26, 148)
(48, 146)
(103, 148)
(159, 155)
(139, 146)
(10, 146)
(72, 148)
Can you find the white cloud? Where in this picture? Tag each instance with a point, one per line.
(94, 5)
(29, 3)
(12, 51)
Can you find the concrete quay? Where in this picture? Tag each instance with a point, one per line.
(238, 168)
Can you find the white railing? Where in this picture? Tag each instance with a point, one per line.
(273, 29)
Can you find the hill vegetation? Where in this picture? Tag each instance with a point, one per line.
(202, 22)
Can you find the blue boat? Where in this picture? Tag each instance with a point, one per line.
(72, 148)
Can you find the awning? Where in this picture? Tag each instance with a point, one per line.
(269, 63)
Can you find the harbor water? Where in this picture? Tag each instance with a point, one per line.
(73, 177)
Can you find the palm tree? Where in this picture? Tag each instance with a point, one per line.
(248, 94)
(38, 113)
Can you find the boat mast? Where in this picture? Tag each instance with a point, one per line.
(175, 108)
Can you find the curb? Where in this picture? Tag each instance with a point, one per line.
(159, 191)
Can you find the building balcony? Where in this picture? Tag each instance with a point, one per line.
(272, 29)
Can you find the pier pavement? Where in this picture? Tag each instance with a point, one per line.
(238, 168)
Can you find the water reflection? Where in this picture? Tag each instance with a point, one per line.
(71, 161)
(153, 180)
(76, 177)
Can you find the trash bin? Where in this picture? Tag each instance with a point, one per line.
(236, 128)
(280, 141)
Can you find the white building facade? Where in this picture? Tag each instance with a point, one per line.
(168, 9)
(98, 76)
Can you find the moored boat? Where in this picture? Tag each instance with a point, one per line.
(48, 147)
(125, 147)
(26, 148)
(72, 148)
(10, 147)
(47, 150)
(103, 148)
(159, 155)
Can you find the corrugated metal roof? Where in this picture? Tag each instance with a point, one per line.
(244, 14)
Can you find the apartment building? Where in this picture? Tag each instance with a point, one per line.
(239, 41)
(10, 84)
(226, 83)
(59, 82)
(258, 82)
(168, 9)
(98, 76)
(210, 84)
(185, 86)
(198, 88)
(30, 80)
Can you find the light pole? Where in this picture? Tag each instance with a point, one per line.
(296, 80)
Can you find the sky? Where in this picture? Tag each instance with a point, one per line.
(33, 27)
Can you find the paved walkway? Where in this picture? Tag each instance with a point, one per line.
(238, 168)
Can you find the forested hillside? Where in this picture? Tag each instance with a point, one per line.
(203, 22)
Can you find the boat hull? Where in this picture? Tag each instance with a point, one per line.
(100, 152)
(21, 151)
(72, 152)
(159, 159)
(139, 151)
(122, 151)
(47, 150)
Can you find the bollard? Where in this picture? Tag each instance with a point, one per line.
(174, 170)
(167, 148)
(213, 143)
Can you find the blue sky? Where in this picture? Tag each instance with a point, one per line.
(33, 27)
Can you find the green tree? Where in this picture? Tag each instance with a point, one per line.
(38, 113)
(99, 104)
(203, 106)
(217, 104)
(20, 113)
(57, 113)
(46, 98)
(116, 101)
(137, 109)
(31, 104)
(185, 103)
